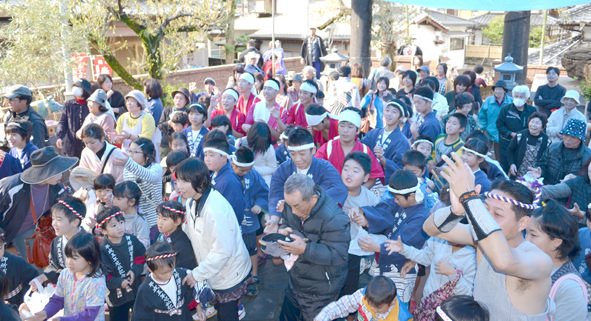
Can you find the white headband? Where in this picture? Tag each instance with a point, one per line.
(239, 164)
(314, 120)
(15, 124)
(400, 108)
(248, 77)
(301, 147)
(425, 98)
(473, 152)
(416, 190)
(350, 116)
(219, 151)
(271, 84)
(283, 136)
(308, 87)
(422, 141)
(231, 92)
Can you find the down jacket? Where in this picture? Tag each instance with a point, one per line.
(555, 167)
(322, 269)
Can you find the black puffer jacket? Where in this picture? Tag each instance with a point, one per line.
(322, 269)
(554, 165)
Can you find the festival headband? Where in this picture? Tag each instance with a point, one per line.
(163, 256)
(283, 136)
(15, 124)
(71, 209)
(248, 77)
(442, 314)
(400, 108)
(416, 189)
(419, 141)
(306, 86)
(314, 120)
(199, 106)
(350, 116)
(271, 83)
(425, 98)
(301, 147)
(219, 151)
(232, 92)
(173, 210)
(239, 164)
(473, 152)
(514, 202)
(107, 219)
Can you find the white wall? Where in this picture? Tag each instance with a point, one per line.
(423, 37)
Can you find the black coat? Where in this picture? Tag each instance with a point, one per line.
(71, 121)
(518, 147)
(245, 52)
(510, 121)
(180, 242)
(554, 165)
(322, 269)
(19, 273)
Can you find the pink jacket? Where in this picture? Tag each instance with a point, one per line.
(91, 161)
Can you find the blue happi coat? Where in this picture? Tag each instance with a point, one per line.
(256, 192)
(227, 183)
(282, 154)
(321, 171)
(195, 143)
(394, 148)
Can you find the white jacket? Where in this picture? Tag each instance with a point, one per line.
(558, 120)
(440, 105)
(217, 242)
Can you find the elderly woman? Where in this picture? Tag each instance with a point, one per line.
(136, 123)
(461, 84)
(99, 113)
(141, 167)
(97, 156)
(558, 119)
(513, 118)
(527, 146)
(489, 113)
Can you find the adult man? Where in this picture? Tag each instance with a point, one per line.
(312, 49)
(548, 96)
(338, 148)
(27, 196)
(319, 273)
(343, 86)
(251, 48)
(296, 114)
(19, 101)
(302, 149)
(423, 74)
(382, 71)
(247, 98)
(427, 122)
(489, 113)
(251, 63)
(310, 74)
(513, 275)
(565, 157)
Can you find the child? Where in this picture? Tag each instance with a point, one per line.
(403, 215)
(179, 142)
(172, 160)
(321, 124)
(474, 155)
(163, 295)
(179, 121)
(126, 197)
(356, 171)
(447, 143)
(494, 167)
(224, 180)
(222, 122)
(377, 301)
(171, 215)
(415, 162)
(9, 312)
(281, 152)
(256, 199)
(215, 134)
(103, 187)
(81, 288)
(18, 135)
(123, 257)
(18, 272)
(195, 134)
(423, 144)
(427, 122)
(461, 308)
(66, 216)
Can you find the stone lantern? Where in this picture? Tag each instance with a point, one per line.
(508, 70)
(333, 60)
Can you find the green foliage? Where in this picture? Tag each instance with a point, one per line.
(239, 42)
(585, 88)
(167, 89)
(535, 37)
(494, 32)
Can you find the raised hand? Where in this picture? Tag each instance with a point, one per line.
(394, 246)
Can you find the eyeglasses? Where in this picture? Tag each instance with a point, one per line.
(135, 152)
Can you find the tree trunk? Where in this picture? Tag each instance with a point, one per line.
(121, 72)
(230, 47)
(151, 46)
(361, 33)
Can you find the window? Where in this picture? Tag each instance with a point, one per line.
(456, 44)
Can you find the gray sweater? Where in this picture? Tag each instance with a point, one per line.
(570, 302)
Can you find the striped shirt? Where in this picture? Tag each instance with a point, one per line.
(149, 180)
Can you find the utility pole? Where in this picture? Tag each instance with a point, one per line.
(543, 37)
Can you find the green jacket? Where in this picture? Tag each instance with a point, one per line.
(487, 117)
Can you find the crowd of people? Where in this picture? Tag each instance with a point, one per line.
(461, 207)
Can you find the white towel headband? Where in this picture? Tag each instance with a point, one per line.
(239, 164)
(308, 87)
(473, 152)
(416, 190)
(219, 151)
(301, 147)
(350, 116)
(314, 120)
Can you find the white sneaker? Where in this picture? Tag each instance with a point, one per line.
(209, 312)
(241, 312)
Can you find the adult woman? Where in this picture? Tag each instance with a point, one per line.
(512, 119)
(555, 231)
(375, 101)
(73, 115)
(409, 78)
(260, 141)
(141, 167)
(575, 190)
(215, 236)
(136, 123)
(461, 83)
(233, 80)
(114, 97)
(527, 146)
(445, 84)
(474, 89)
(99, 113)
(358, 78)
(259, 80)
(283, 99)
(97, 156)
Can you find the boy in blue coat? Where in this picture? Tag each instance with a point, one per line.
(256, 199)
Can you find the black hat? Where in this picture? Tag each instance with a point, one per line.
(502, 84)
(183, 91)
(46, 163)
(270, 246)
(84, 84)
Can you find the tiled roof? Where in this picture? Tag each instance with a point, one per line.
(578, 14)
(555, 51)
(450, 20)
(537, 19)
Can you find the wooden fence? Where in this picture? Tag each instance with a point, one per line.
(484, 52)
